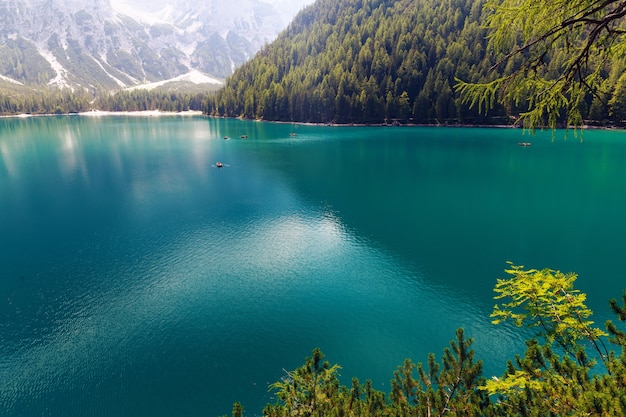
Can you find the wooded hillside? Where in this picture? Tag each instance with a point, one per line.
(372, 61)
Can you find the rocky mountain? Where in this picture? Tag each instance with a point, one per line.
(120, 43)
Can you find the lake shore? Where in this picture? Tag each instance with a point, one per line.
(142, 113)
(443, 125)
(102, 113)
(160, 113)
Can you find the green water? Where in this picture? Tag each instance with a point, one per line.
(138, 279)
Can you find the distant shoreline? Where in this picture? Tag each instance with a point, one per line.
(150, 113)
(102, 113)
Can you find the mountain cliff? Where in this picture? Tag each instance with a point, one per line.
(121, 43)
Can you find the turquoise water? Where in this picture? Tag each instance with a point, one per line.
(138, 279)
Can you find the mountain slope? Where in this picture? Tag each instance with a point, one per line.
(118, 43)
(363, 61)
(375, 61)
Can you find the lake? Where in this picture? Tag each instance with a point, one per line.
(139, 279)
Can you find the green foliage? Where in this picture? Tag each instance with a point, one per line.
(22, 100)
(310, 390)
(237, 410)
(547, 300)
(47, 101)
(556, 58)
(141, 100)
(544, 382)
(618, 100)
(450, 388)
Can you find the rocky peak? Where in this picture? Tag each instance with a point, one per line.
(120, 43)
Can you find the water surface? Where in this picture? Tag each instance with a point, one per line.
(138, 279)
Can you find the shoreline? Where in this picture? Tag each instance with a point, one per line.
(193, 113)
(104, 113)
(140, 113)
(451, 125)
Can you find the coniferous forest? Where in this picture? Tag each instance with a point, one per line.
(375, 61)
(355, 61)
(56, 101)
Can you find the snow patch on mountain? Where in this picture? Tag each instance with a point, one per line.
(119, 82)
(10, 80)
(140, 14)
(60, 80)
(120, 43)
(194, 77)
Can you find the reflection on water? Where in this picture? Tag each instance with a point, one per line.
(136, 271)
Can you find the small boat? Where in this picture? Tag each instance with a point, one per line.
(219, 164)
(293, 134)
(244, 136)
(226, 138)
(524, 144)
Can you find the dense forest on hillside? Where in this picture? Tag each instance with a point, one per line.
(372, 61)
(571, 368)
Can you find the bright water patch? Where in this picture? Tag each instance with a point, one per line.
(139, 279)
